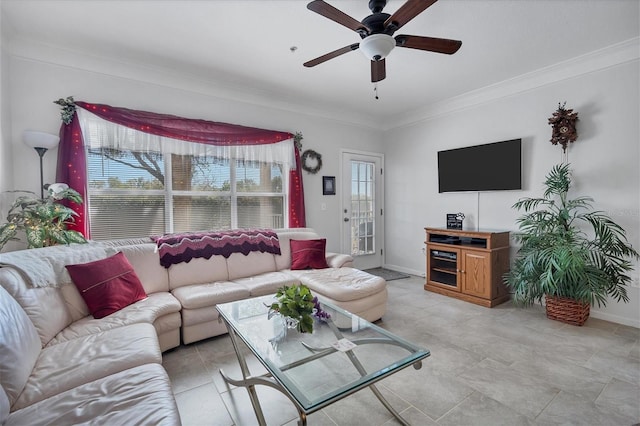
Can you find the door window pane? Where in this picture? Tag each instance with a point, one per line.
(362, 208)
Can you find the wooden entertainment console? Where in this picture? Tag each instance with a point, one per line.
(468, 265)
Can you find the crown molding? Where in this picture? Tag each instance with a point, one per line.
(222, 88)
(216, 86)
(597, 60)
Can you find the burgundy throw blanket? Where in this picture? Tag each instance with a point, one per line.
(176, 248)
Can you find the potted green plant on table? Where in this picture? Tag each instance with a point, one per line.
(570, 254)
(298, 306)
(44, 221)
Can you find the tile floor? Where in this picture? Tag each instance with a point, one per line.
(500, 366)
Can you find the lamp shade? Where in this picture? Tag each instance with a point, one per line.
(36, 139)
(377, 46)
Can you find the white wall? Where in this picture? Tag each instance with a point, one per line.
(604, 160)
(41, 78)
(6, 169)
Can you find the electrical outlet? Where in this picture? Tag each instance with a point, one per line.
(635, 282)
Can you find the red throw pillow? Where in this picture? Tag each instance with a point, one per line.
(307, 254)
(107, 285)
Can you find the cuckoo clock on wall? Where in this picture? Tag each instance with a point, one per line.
(563, 123)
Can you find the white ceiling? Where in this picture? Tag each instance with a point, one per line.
(246, 44)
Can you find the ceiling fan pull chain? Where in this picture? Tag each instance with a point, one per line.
(375, 90)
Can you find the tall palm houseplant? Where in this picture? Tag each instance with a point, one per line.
(570, 254)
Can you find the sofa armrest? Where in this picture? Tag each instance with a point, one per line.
(338, 260)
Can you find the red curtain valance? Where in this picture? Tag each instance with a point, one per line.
(72, 167)
(188, 129)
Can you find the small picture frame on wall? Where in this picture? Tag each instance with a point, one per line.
(328, 185)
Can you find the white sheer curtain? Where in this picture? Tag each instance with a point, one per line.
(99, 133)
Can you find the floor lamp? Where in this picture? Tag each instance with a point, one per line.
(41, 142)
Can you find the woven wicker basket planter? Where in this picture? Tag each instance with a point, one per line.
(567, 310)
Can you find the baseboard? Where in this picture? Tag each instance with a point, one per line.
(614, 318)
(404, 270)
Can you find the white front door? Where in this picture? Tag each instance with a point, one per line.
(362, 208)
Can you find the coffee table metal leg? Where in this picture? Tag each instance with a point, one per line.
(246, 376)
(356, 363)
(249, 382)
(387, 405)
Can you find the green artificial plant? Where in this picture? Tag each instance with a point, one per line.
(567, 249)
(296, 302)
(44, 221)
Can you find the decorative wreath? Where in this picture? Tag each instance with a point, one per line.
(311, 154)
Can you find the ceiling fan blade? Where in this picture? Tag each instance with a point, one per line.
(331, 55)
(431, 44)
(330, 12)
(378, 71)
(407, 12)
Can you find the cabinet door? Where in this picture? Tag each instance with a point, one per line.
(443, 268)
(476, 273)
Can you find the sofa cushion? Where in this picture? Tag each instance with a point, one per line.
(241, 266)
(19, 347)
(209, 295)
(146, 262)
(89, 358)
(341, 284)
(45, 306)
(308, 254)
(107, 285)
(198, 271)
(269, 283)
(75, 303)
(148, 311)
(138, 396)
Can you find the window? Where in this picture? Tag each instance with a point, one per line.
(141, 184)
(136, 194)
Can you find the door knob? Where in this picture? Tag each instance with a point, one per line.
(346, 219)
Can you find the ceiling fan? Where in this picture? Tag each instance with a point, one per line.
(376, 31)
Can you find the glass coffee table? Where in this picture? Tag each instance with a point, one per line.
(343, 355)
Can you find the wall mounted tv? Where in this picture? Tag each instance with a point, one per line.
(490, 167)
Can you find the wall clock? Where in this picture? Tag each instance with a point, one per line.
(563, 122)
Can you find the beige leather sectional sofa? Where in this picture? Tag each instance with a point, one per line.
(59, 365)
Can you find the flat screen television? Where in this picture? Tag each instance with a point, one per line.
(490, 167)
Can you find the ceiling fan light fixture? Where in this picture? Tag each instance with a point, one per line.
(377, 46)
